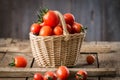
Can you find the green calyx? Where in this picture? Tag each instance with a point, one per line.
(84, 28)
(41, 13)
(12, 63)
(50, 78)
(80, 77)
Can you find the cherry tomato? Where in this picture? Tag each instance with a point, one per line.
(46, 31)
(35, 28)
(50, 76)
(69, 28)
(81, 75)
(62, 73)
(38, 76)
(90, 59)
(19, 61)
(77, 27)
(69, 18)
(58, 30)
(51, 19)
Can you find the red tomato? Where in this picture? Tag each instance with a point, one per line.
(19, 61)
(77, 27)
(50, 76)
(90, 59)
(51, 19)
(38, 76)
(58, 30)
(46, 31)
(69, 18)
(62, 73)
(35, 28)
(81, 75)
(69, 28)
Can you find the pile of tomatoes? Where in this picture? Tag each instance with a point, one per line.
(49, 24)
(62, 73)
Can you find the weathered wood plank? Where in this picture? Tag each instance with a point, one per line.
(110, 60)
(1, 56)
(12, 79)
(95, 47)
(4, 43)
(19, 46)
(29, 72)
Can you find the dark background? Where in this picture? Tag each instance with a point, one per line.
(102, 17)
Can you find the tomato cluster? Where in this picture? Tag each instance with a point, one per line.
(49, 24)
(62, 73)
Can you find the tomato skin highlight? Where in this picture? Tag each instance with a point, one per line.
(35, 28)
(50, 76)
(51, 19)
(38, 76)
(90, 59)
(46, 31)
(69, 18)
(20, 61)
(81, 75)
(62, 73)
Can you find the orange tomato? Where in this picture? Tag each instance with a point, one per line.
(46, 31)
(58, 30)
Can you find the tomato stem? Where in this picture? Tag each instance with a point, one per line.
(79, 76)
(12, 63)
(50, 78)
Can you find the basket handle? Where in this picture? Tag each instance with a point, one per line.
(65, 31)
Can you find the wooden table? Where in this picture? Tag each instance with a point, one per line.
(106, 66)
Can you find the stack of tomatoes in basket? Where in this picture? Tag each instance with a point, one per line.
(49, 24)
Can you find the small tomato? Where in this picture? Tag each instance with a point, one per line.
(19, 61)
(46, 31)
(35, 28)
(62, 73)
(69, 18)
(50, 76)
(81, 75)
(90, 59)
(38, 76)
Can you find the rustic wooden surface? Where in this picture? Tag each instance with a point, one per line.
(102, 17)
(106, 66)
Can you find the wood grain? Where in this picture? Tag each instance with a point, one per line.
(29, 72)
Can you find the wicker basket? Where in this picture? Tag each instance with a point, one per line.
(53, 51)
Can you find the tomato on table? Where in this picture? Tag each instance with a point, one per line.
(19, 61)
(62, 73)
(90, 59)
(81, 75)
(49, 75)
(38, 76)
